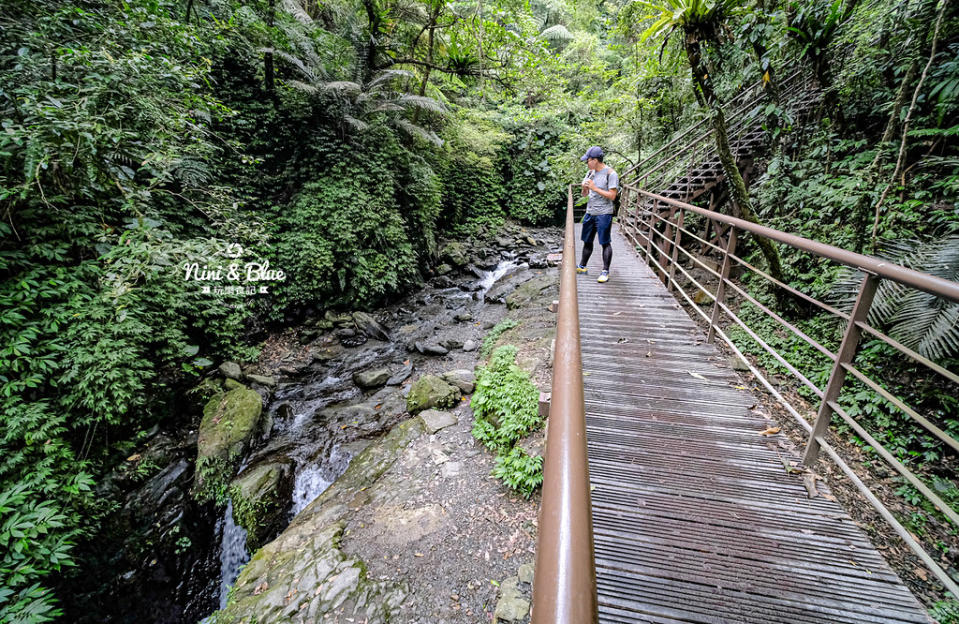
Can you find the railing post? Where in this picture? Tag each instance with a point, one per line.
(721, 287)
(676, 240)
(662, 245)
(845, 355)
(564, 585)
(649, 230)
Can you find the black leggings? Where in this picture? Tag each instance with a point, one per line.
(607, 254)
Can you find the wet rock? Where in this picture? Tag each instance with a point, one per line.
(452, 344)
(261, 495)
(529, 240)
(443, 281)
(344, 332)
(229, 423)
(478, 272)
(463, 317)
(431, 391)
(470, 345)
(463, 379)
(371, 327)
(340, 320)
(505, 243)
(400, 376)
(538, 261)
(231, 370)
(427, 348)
(498, 293)
(371, 378)
(443, 269)
(434, 420)
(327, 352)
(354, 340)
(263, 380)
(512, 605)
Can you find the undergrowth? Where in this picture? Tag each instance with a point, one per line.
(506, 408)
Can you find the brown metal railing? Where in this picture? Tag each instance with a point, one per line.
(564, 587)
(658, 227)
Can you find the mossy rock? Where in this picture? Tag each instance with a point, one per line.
(261, 495)
(230, 420)
(430, 391)
(455, 253)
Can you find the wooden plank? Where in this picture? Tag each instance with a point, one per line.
(695, 516)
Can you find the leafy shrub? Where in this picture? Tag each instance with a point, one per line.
(506, 408)
(490, 340)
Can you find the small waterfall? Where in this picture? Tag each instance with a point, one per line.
(233, 555)
(312, 480)
(491, 278)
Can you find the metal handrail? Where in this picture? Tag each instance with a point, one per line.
(564, 586)
(641, 217)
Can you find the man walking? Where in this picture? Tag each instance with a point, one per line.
(601, 184)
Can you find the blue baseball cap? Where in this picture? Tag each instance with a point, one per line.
(593, 152)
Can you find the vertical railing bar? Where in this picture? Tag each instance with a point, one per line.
(721, 287)
(845, 355)
(564, 585)
(676, 241)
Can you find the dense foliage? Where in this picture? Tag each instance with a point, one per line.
(339, 141)
(506, 409)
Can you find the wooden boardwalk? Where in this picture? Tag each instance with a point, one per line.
(695, 517)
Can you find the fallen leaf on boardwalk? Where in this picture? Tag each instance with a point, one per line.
(649, 354)
(585, 374)
(418, 554)
(770, 431)
(740, 387)
(697, 375)
(617, 313)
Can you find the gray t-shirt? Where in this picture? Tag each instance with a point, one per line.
(606, 179)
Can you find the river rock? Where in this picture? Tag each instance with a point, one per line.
(454, 252)
(400, 376)
(443, 269)
(431, 391)
(371, 327)
(498, 293)
(470, 345)
(229, 421)
(261, 495)
(231, 370)
(263, 380)
(427, 348)
(478, 272)
(463, 379)
(434, 420)
(463, 317)
(371, 378)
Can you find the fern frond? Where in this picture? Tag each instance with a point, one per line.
(293, 8)
(295, 62)
(356, 123)
(556, 33)
(419, 101)
(414, 130)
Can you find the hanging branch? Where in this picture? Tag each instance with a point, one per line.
(905, 124)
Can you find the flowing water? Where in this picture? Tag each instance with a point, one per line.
(314, 475)
(233, 555)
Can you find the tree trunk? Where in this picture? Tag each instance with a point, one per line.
(434, 16)
(736, 183)
(268, 55)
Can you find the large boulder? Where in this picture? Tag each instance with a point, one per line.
(230, 419)
(528, 292)
(430, 391)
(464, 379)
(303, 574)
(261, 495)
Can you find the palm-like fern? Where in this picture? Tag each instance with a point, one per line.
(919, 320)
(358, 103)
